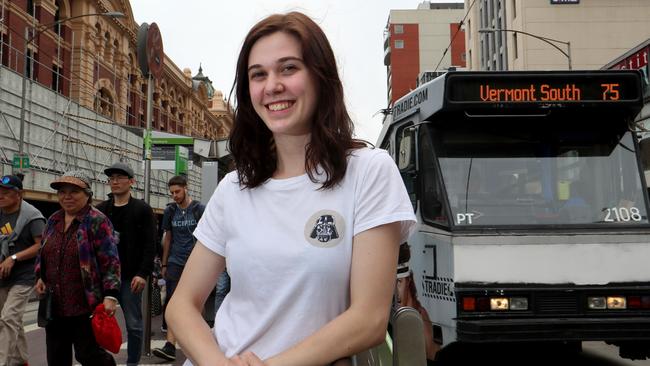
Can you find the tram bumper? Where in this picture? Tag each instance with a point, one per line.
(553, 329)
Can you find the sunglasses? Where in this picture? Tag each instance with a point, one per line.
(6, 179)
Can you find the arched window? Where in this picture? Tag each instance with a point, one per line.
(107, 48)
(104, 103)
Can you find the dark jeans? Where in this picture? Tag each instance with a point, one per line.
(63, 333)
(223, 288)
(132, 308)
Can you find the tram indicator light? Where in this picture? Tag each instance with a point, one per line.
(645, 302)
(634, 302)
(543, 87)
(469, 303)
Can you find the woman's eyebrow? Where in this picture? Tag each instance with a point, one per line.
(280, 60)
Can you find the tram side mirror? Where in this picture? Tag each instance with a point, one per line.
(406, 158)
(644, 147)
(645, 78)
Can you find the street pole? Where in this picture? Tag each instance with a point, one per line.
(147, 192)
(21, 137)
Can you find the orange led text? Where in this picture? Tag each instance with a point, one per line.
(543, 93)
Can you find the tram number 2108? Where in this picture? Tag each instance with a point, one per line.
(618, 214)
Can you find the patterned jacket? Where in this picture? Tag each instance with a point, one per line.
(98, 256)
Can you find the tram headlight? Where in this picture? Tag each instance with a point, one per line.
(518, 303)
(597, 303)
(616, 302)
(499, 303)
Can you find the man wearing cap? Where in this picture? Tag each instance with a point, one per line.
(133, 219)
(21, 228)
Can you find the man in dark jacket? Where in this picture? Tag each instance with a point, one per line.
(134, 221)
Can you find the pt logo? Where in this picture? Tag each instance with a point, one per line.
(325, 229)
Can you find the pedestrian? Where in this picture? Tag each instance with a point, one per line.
(79, 265)
(223, 288)
(133, 220)
(309, 223)
(179, 221)
(21, 229)
(407, 295)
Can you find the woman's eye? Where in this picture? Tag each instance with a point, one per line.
(256, 75)
(289, 68)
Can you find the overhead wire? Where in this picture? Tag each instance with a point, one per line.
(462, 22)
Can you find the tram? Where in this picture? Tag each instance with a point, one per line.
(532, 207)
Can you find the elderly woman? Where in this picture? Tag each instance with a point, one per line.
(79, 264)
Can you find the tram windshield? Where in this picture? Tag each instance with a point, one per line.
(532, 173)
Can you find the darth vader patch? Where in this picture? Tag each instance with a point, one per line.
(325, 229)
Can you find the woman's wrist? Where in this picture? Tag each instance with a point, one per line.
(111, 298)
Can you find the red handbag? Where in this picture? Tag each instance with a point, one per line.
(107, 332)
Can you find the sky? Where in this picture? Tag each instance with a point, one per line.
(211, 33)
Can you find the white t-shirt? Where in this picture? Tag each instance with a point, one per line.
(288, 249)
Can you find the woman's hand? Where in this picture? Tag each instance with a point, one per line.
(138, 284)
(40, 287)
(110, 305)
(251, 359)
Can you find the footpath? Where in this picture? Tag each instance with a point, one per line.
(36, 340)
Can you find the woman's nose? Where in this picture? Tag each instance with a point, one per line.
(274, 85)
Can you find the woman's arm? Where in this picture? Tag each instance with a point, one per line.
(184, 310)
(363, 325)
(108, 260)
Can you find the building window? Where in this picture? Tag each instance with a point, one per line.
(57, 17)
(31, 60)
(514, 9)
(30, 7)
(57, 78)
(399, 28)
(515, 51)
(399, 43)
(5, 49)
(104, 103)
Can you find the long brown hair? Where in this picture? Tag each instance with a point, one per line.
(251, 142)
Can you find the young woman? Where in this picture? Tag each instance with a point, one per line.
(309, 224)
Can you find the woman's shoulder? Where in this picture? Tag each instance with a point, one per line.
(368, 155)
(230, 181)
(366, 152)
(96, 215)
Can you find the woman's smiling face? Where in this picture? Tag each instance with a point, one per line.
(282, 90)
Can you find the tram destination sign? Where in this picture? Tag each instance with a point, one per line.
(545, 88)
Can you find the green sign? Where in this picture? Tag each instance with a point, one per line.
(21, 162)
(172, 140)
(182, 155)
(147, 145)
